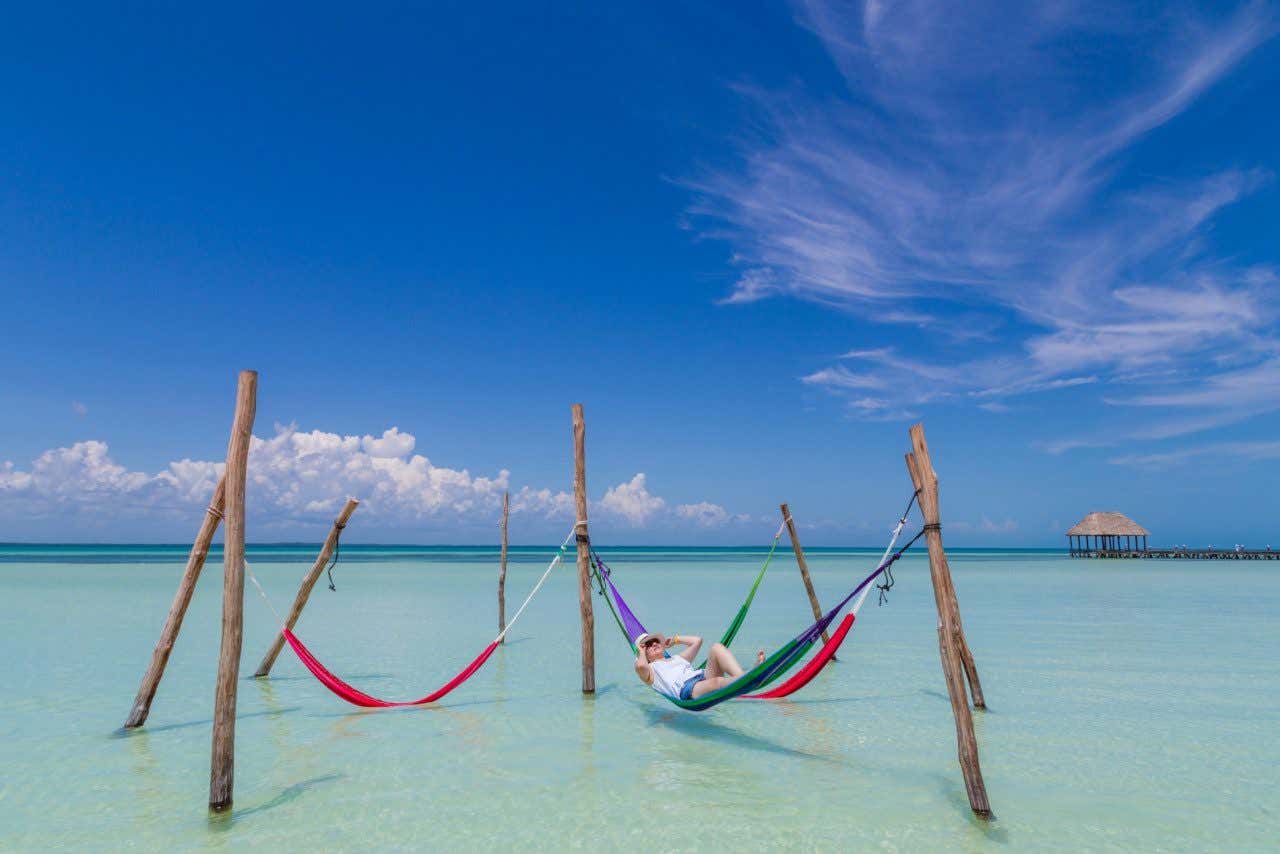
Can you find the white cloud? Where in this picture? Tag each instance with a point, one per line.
(632, 501)
(300, 476)
(704, 513)
(79, 408)
(392, 443)
(84, 470)
(543, 502)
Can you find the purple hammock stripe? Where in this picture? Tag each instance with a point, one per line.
(633, 626)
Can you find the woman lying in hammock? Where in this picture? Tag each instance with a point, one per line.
(676, 676)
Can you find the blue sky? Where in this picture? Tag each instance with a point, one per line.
(757, 242)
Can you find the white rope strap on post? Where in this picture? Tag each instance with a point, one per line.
(545, 575)
(782, 528)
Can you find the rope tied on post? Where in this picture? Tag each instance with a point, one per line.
(337, 550)
(887, 568)
(883, 588)
(214, 512)
(577, 529)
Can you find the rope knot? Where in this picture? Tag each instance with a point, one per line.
(932, 526)
(214, 512)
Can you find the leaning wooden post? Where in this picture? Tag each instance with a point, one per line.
(921, 450)
(584, 556)
(926, 481)
(804, 570)
(308, 584)
(222, 766)
(502, 570)
(178, 610)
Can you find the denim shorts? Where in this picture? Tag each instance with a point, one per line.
(686, 690)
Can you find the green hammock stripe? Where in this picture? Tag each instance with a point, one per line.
(744, 683)
(741, 617)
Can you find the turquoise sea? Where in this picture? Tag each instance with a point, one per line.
(1133, 705)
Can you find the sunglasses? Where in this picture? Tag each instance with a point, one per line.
(651, 641)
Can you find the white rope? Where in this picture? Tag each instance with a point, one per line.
(555, 560)
(263, 593)
(551, 566)
(897, 532)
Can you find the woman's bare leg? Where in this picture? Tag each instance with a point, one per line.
(721, 662)
(722, 669)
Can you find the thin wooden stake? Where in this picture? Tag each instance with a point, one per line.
(502, 570)
(178, 610)
(584, 557)
(223, 759)
(308, 584)
(804, 570)
(926, 481)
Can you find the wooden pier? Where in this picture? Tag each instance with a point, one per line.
(1109, 534)
(1186, 554)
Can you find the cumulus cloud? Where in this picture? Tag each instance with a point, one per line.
(632, 501)
(704, 514)
(543, 502)
(304, 476)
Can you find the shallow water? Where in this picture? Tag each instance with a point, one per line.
(1133, 705)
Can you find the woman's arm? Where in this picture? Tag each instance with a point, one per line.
(642, 668)
(691, 651)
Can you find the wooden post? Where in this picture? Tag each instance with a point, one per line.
(804, 570)
(502, 569)
(178, 610)
(584, 557)
(308, 584)
(926, 481)
(223, 759)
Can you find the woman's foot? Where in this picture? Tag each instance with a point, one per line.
(760, 656)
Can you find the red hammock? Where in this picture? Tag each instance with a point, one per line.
(359, 698)
(804, 675)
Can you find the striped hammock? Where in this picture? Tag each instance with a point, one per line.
(782, 660)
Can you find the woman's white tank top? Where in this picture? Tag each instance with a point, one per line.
(670, 674)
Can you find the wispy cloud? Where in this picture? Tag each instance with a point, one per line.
(1265, 450)
(942, 190)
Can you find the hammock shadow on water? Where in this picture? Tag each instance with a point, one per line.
(368, 677)
(266, 713)
(425, 707)
(224, 821)
(784, 702)
(707, 729)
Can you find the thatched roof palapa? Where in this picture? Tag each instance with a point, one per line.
(1107, 524)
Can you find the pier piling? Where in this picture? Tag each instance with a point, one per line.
(804, 570)
(222, 764)
(951, 645)
(584, 555)
(502, 570)
(308, 584)
(178, 610)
